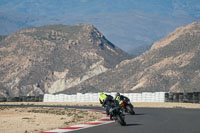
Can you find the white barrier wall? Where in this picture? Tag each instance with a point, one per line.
(94, 97)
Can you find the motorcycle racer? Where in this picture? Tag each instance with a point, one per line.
(106, 101)
(125, 103)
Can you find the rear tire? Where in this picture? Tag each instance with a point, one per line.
(130, 109)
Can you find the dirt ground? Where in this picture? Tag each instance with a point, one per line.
(35, 120)
(136, 104)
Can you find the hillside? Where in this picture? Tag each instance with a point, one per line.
(53, 58)
(172, 64)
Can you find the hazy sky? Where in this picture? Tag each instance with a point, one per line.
(126, 23)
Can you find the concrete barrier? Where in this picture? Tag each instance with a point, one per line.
(94, 97)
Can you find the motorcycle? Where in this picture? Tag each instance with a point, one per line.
(127, 106)
(117, 115)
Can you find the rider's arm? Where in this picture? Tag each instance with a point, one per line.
(105, 101)
(100, 101)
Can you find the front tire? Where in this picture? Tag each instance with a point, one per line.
(121, 120)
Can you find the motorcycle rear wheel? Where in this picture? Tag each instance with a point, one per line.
(130, 110)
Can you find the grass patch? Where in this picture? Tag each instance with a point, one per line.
(26, 118)
(4, 108)
(67, 122)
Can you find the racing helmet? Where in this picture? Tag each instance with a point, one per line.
(101, 93)
(117, 94)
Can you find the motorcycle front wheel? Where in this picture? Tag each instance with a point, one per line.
(120, 120)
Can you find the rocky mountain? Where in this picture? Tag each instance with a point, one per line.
(172, 64)
(54, 58)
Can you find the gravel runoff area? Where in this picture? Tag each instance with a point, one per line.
(38, 119)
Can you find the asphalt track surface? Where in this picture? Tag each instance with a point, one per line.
(149, 120)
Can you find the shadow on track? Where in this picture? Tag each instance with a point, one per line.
(133, 124)
(135, 114)
(139, 114)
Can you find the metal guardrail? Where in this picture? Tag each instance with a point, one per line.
(192, 97)
(23, 99)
